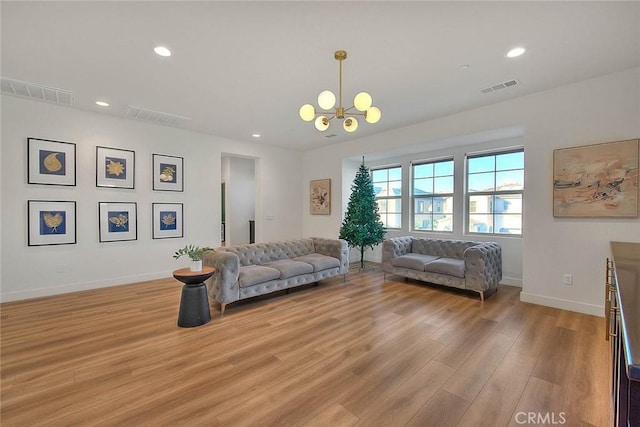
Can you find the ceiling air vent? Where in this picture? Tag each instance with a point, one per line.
(158, 117)
(499, 86)
(331, 135)
(36, 91)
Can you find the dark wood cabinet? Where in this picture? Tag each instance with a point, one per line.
(622, 313)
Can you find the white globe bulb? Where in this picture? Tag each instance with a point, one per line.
(372, 115)
(322, 123)
(350, 124)
(326, 100)
(362, 101)
(307, 112)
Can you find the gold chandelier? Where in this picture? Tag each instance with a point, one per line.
(327, 101)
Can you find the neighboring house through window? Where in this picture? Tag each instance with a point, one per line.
(387, 186)
(432, 195)
(495, 186)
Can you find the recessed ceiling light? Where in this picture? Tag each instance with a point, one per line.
(102, 103)
(162, 51)
(256, 135)
(516, 51)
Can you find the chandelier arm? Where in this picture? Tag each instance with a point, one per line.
(340, 92)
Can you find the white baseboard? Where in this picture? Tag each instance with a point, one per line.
(580, 307)
(64, 289)
(511, 281)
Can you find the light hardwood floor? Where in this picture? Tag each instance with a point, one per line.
(362, 352)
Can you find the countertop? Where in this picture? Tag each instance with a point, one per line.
(626, 260)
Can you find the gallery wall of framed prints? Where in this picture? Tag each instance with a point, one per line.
(55, 222)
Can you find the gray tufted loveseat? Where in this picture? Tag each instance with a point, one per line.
(245, 271)
(475, 266)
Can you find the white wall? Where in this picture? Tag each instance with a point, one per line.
(45, 270)
(593, 111)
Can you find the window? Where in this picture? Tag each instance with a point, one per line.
(432, 196)
(387, 186)
(495, 185)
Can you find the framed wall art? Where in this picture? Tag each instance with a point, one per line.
(167, 220)
(167, 173)
(599, 180)
(51, 222)
(320, 197)
(115, 167)
(117, 221)
(51, 162)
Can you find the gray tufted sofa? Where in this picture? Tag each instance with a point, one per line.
(475, 266)
(245, 271)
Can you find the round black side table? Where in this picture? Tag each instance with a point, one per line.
(194, 304)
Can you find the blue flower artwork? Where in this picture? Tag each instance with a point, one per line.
(168, 220)
(115, 168)
(168, 172)
(52, 222)
(52, 163)
(118, 221)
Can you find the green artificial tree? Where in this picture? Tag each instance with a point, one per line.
(361, 227)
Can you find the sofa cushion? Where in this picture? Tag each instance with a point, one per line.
(289, 268)
(448, 266)
(319, 262)
(413, 261)
(250, 275)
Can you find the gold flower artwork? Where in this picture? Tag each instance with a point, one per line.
(115, 168)
(119, 221)
(51, 162)
(52, 221)
(168, 219)
(166, 175)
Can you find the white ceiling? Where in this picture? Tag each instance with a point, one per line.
(244, 67)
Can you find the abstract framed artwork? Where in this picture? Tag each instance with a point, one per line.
(167, 220)
(117, 221)
(115, 167)
(167, 173)
(51, 222)
(51, 162)
(320, 197)
(599, 180)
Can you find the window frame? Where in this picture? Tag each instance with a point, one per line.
(399, 197)
(494, 193)
(434, 195)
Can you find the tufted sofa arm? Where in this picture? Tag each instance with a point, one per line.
(483, 266)
(223, 285)
(394, 247)
(333, 248)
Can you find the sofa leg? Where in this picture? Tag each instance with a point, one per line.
(222, 307)
(481, 295)
(384, 276)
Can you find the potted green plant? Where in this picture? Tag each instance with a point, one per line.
(194, 253)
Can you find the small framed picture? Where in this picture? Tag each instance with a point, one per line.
(167, 220)
(167, 173)
(117, 221)
(320, 197)
(115, 167)
(51, 222)
(51, 162)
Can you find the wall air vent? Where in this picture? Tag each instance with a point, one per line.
(158, 117)
(36, 91)
(499, 86)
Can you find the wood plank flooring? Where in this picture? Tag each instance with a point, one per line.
(360, 352)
